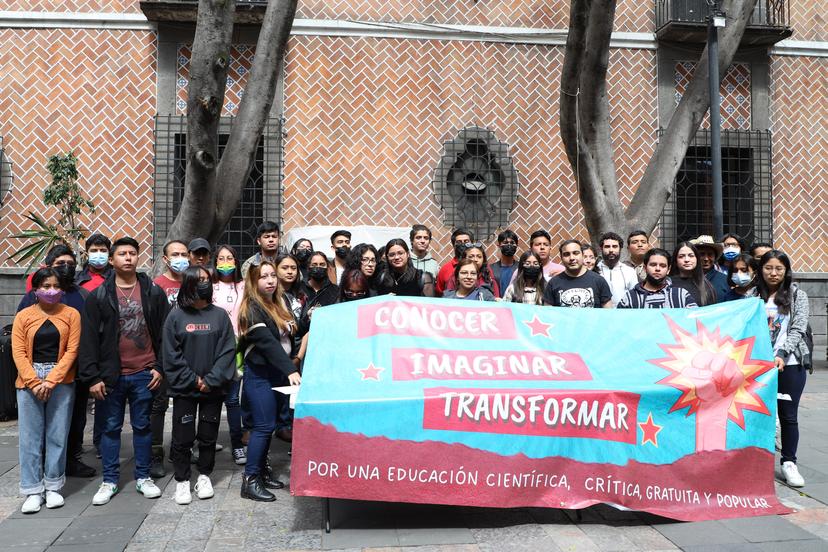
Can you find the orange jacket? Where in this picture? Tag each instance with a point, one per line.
(68, 322)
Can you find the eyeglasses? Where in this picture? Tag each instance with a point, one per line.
(354, 294)
(767, 268)
(395, 254)
(369, 260)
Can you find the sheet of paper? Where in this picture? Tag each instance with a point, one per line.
(291, 391)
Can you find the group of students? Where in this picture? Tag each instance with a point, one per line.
(213, 330)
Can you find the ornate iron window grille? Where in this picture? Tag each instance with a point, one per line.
(746, 189)
(6, 175)
(475, 181)
(767, 13)
(262, 196)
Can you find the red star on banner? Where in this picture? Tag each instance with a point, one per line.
(650, 431)
(538, 327)
(371, 372)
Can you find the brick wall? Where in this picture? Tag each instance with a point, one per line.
(809, 19)
(119, 6)
(92, 91)
(800, 159)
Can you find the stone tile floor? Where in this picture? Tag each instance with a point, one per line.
(227, 522)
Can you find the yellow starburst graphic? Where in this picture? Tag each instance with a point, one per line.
(700, 367)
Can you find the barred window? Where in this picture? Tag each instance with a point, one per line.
(746, 189)
(475, 181)
(261, 198)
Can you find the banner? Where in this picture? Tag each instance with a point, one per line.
(503, 405)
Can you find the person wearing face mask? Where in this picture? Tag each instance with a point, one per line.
(732, 247)
(321, 289)
(656, 291)
(97, 268)
(62, 260)
(460, 239)
(45, 338)
(528, 285)
(742, 278)
(301, 251)
(176, 258)
(341, 246)
(504, 269)
(199, 348)
(620, 276)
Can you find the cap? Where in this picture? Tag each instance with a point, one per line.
(198, 243)
(707, 241)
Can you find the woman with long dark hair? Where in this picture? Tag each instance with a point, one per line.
(741, 274)
(363, 257)
(302, 250)
(686, 272)
(399, 277)
(354, 286)
(267, 329)
(321, 289)
(787, 309)
(477, 253)
(199, 347)
(295, 294)
(527, 287)
(228, 290)
(467, 283)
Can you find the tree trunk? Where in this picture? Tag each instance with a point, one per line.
(585, 121)
(213, 187)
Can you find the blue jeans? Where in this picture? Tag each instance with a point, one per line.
(234, 414)
(98, 424)
(44, 427)
(260, 398)
(132, 389)
(791, 382)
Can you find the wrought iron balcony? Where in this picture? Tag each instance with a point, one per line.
(686, 21)
(247, 11)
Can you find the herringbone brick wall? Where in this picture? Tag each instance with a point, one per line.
(799, 111)
(809, 19)
(366, 120)
(118, 6)
(631, 15)
(92, 91)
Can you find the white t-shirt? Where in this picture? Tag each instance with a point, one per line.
(621, 279)
(778, 327)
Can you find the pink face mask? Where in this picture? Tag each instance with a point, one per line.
(49, 296)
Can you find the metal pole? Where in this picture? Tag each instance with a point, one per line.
(715, 122)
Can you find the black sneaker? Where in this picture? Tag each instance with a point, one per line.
(157, 470)
(76, 468)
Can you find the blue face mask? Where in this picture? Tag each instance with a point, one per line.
(98, 259)
(179, 264)
(741, 279)
(730, 253)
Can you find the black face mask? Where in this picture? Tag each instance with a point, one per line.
(302, 255)
(531, 272)
(459, 248)
(342, 251)
(318, 273)
(66, 274)
(508, 250)
(204, 290)
(655, 282)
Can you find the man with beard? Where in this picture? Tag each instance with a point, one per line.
(576, 286)
(709, 251)
(620, 277)
(341, 245)
(656, 291)
(64, 262)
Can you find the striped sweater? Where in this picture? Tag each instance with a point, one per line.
(668, 297)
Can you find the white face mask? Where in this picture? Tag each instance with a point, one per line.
(730, 252)
(741, 279)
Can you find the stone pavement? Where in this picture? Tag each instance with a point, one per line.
(227, 522)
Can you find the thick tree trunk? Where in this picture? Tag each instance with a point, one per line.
(585, 120)
(213, 187)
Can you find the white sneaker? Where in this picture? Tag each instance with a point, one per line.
(53, 499)
(792, 475)
(778, 435)
(219, 447)
(182, 493)
(148, 488)
(105, 493)
(32, 504)
(204, 487)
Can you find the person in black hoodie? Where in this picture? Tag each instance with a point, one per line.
(266, 328)
(120, 361)
(199, 348)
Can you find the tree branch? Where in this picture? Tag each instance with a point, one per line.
(234, 167)
(657, 182)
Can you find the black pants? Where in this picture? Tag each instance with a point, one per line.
(160, 403)
(74, 445)
(186, 412)
(792, 383)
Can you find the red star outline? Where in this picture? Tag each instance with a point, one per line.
(537, 327)
(371, 372)
(650, 431)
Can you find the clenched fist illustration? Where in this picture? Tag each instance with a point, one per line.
(716, 378)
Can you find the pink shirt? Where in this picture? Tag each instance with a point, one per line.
(228, 296)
